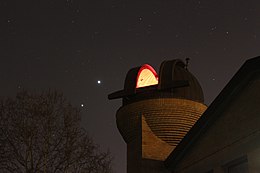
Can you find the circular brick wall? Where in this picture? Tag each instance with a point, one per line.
(168, 118)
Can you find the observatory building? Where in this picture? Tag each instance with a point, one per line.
(168, 129)
(157, 111)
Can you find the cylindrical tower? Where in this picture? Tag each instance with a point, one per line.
(157, 112)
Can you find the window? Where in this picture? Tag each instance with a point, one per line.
(239, 165)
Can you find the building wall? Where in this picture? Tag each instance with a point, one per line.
(152, 128)
(235, 134)
(143, 155)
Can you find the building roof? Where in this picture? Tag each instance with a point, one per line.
(174, 81)
(240, 80)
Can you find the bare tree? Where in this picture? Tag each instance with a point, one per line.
(41, 133)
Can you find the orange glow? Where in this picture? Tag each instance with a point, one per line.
(147, 76)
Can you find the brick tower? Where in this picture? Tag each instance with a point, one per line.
(156, 113)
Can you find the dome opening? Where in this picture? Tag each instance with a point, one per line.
(147, 76)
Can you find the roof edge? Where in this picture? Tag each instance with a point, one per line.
(230, 91)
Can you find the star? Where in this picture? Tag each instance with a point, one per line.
(99, 81)
(213, 28)
(82, 105)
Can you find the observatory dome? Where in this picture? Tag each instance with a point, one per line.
(170, 102)
(174, 72)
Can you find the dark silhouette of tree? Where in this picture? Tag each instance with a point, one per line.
(41, 133)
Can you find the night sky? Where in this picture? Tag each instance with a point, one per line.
(84, 48)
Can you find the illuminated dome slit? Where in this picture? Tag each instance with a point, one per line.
(147, 76)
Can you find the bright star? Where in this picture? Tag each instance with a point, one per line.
(82, 105)
(99, 82)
